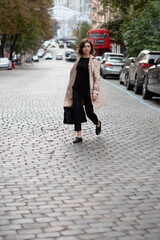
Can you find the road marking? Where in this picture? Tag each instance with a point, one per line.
(130, 94)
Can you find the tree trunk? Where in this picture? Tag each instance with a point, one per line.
(123, 8)
(14, 39)
(3, 40)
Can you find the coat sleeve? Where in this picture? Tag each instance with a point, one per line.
(96, 77)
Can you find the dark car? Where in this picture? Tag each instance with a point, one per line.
(124, 71)
(68, 52)
(138, 69)
(29, 60)
(151, 85)
(72, 57)
(69, 44)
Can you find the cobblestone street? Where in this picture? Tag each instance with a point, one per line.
(105, 188)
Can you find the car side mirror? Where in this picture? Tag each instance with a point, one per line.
(133, 60)
(151, 61)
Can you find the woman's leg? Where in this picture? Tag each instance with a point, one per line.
(89, 107)
(77, 98)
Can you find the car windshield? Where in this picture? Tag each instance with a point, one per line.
(3, 60)
(116, 60)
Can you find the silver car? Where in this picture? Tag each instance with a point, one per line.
(151, 85)
(112, 67)
(106, 55)
(5, 63)
(124, 71)
(138, 69)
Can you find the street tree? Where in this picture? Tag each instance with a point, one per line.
(138, 26)
(23, 22)
(143, 32)
(82, 30)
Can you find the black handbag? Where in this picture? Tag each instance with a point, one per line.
(69, 115)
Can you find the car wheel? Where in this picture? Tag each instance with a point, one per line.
(137, 89)
(128, 85)
(145, 93)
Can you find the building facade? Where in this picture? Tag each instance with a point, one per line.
(68, 18)
(64, 3)
(80, 5)
(100, 15)
(97, 14)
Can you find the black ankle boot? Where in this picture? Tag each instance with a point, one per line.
(98, 129)
(77, 140)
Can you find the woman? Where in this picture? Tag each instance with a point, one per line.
(84, 87)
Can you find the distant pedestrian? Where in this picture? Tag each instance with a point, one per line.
(84, 88)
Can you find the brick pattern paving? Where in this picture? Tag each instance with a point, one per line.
(107, 187)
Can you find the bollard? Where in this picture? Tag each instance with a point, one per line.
(13, 66)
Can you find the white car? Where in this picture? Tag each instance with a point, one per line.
(35, 59)
(5, 63)
(48, 56)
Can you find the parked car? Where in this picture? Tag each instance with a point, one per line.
(72, 57)
(35, 59)
(29, 60)
(124, 71)
(138, 69)
(5, 63)
(48, 56)
(68, 52)
(70, 44)
(59, 56)
(106, 55)
(151, 85)
(53, 44)
(16, 59)
(40, 53)
(112, 67)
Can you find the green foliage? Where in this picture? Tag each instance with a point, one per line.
(139, 27)
(125, 5)
(82, 31)
(143, 32)
(24, 22)
(114, 27)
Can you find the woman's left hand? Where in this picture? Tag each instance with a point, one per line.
(94, 96)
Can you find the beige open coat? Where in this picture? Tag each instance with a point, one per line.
(94, 78)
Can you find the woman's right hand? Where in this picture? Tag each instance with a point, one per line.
(94, 96)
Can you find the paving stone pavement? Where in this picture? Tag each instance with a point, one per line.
(105, 188)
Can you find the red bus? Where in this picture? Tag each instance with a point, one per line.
(100, 39)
